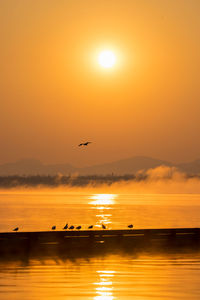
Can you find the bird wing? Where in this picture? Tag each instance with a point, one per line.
(87, 143)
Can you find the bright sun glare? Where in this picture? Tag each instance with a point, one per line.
(103, 199)
(107, 59)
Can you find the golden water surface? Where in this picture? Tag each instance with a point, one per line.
(122, 276)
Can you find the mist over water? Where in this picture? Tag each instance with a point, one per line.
(159, 180)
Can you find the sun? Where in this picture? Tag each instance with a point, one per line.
(107, 59)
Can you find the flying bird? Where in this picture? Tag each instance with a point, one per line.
(53, 228)
(66, 226)
(71, 227)
(103, 226)
(16, 229)
(90, 227)
(78, 227)
(130, 226)
(84, 144)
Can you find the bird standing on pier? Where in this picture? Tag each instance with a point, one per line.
(130, 226)
(71, 227)
(53, 228)
(66, 226)
(84, 144)
(103, 226)
(78, 227)
(16, 229)
(90, 227)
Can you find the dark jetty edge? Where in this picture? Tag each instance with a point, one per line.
(89, 243)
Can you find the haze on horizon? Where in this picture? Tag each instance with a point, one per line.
(54, 95)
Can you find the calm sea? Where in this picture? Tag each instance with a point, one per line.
(105, 277)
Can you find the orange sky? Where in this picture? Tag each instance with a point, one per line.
(54, 95)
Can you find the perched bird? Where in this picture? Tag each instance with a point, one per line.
(53, 228)
(103, 226)
(84, 144)
(16, 229)
(71, 227)
(130, 226)
(78, 227)
(90, 227)
(66, 226)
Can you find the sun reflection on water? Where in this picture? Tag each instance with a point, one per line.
(103, 202)
(103, 199)
(104, 289)
(104, 297)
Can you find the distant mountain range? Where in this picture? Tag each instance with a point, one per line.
(126, 166)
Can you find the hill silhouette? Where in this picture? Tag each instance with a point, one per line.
(125, 166)
(34, 167)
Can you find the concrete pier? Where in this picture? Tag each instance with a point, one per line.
(98, 242)
(107, 233)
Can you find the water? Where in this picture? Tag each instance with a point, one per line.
(166, 275)
(108, 278)
(39, 211)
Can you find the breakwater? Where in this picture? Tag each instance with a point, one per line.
(97, 242)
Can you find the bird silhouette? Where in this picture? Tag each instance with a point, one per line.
(53, 228)
(90, 227)
(71, 227)
(66, 226)
(16, 229)
(84, 144)
(103, 226)
(130, 226)
(78, 227)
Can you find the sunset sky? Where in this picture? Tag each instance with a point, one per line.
(55, 94)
